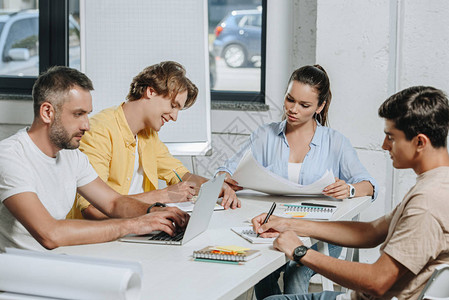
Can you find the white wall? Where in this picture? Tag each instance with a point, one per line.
(370, 49)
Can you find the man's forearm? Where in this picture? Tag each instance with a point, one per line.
(343, 233)
(196, 180)
(374, 279)
(78, 232)
(127, 207)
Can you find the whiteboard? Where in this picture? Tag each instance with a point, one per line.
(121, 37)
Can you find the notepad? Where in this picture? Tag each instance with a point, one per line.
(218, 253)
(308, 212)
(248, 234)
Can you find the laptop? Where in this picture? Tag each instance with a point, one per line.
(199, 219)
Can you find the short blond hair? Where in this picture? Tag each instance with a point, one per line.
(167, 78)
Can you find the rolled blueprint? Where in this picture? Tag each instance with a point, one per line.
(68, 277)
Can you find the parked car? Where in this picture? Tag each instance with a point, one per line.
(19, 43)
(238, 38)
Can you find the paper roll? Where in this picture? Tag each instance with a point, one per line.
(67, 279)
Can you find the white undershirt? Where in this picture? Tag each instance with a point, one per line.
(293, 171)
(137, 181)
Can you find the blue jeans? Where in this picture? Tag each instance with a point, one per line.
(296, 278)
(325, 295)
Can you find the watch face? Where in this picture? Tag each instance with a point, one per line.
(352, 192)
(299, 252)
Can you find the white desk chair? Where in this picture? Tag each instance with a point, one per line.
(437, 288)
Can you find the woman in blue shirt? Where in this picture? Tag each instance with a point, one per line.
(301, 148)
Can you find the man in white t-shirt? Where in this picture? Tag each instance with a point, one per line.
(414, 237)
(41, 170)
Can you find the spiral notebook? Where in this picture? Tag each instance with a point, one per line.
(214, 253)
(248, 234)
(309, 212)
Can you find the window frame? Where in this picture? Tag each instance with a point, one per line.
(249, 97)
(53, 46)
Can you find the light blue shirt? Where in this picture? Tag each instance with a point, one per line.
(329, 150)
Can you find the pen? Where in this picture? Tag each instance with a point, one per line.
(318, 205)
(177, 175)
(270, 212)
(219, 261)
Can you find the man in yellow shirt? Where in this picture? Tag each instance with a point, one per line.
(124, 148)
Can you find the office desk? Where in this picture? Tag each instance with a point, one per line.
(170, 273)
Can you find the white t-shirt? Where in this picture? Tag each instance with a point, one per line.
(293, 171)
(136, 186)
(25, 168)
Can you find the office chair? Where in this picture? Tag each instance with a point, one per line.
(437, 288)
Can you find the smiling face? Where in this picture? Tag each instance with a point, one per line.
(71, 119)
(301, 103)
(402, 151)
(160, 110)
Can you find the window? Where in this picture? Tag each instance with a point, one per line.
(237, 50)
(33, 38)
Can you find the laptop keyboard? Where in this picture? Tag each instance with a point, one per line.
(163, 236)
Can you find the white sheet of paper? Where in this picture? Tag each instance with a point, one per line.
(187, 206)
(252, 175)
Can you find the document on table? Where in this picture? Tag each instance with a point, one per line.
(187, 206)
(252, 175)
(26, 273)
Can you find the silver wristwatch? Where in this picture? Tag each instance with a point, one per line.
(351, 191)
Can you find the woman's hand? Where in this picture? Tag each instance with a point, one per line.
(339, 189)
(231, 182)
(230, 199)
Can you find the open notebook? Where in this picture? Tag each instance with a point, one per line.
(312, 212)
(248, 234)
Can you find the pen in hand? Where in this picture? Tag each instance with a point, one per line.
(270, 212)
(177, 175)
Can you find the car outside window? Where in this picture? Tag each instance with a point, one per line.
(235, 43)
(22, 35)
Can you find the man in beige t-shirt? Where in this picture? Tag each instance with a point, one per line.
(414, 236)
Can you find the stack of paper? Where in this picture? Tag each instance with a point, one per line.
(252, 175)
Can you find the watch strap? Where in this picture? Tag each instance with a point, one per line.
(302, 250)
(157, 204)
(351, 191)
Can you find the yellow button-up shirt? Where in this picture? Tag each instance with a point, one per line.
(110, 146)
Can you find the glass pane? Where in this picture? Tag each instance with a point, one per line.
(74, 35)
(19, 38)
(235, 33)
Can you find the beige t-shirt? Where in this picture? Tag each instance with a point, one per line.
(418, 236)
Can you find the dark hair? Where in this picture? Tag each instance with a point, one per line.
(419, 109)
(316, 77)
(167, 78)
(54, 85)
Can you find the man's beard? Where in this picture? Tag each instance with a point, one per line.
(60, 137)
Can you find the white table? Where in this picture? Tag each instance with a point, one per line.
(170, 273)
